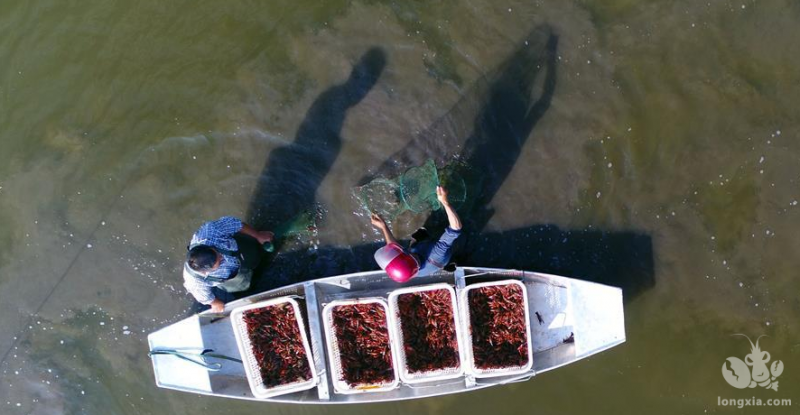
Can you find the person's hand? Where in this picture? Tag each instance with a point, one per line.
(217, 306)
(265, 236)
(377, 221)
(441, 194)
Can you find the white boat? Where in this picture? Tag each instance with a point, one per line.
(578, 319)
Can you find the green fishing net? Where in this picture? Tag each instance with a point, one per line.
(304, 224)
(418, 187)
(301, 228)
(454, 182)
(414, 190)
(381, 196)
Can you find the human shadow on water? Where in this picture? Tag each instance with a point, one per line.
(292, 174)
(504, 115)
(501, 111)
(490, 124)
(290, 178)
(504, 125)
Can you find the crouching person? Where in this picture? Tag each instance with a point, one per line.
(221, 259)
(424, 257)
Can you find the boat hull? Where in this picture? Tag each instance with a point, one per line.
(591, 313)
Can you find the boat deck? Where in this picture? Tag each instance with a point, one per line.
(590, 311)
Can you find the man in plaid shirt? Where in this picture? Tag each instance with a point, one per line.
(221, 259)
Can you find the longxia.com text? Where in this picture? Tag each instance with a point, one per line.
(741, 403)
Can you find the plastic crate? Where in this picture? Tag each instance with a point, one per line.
(251, 367)
(465, 321)
(334, 357)
(396, 323)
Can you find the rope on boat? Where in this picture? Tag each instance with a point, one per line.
(196, 358)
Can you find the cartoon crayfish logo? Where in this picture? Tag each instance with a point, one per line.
(738, 375)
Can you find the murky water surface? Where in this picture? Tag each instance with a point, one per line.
(652, 145)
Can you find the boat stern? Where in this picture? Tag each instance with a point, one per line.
(599, 317)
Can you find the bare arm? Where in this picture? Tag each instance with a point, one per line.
(387, 235)
(452, 216)
(202, 293)
(379, 223)
(260, 236)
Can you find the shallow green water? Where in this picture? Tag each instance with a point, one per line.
(664, 157)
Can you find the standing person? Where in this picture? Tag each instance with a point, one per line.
(221, 259)
(423, 257)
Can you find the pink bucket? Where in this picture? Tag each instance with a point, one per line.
(400, 266)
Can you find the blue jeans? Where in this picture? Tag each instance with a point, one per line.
(434, 255)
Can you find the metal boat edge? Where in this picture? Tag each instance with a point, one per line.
(592, 313)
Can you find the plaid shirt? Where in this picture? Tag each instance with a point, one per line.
(216, 234)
